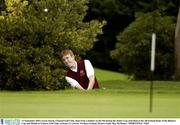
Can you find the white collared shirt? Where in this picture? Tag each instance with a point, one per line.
(89, 71)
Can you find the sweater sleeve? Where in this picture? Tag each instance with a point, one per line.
(89, 68)
(71, 81)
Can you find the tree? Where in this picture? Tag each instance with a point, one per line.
(31, 36)
(2, 5)
(177, 48)
(119, 14)
(133, 46)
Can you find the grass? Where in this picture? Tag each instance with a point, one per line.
(119, 98)
(104, 75)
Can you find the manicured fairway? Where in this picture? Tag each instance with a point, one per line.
(118, 98)
(87, 104)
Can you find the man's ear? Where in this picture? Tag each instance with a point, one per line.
(73, 57)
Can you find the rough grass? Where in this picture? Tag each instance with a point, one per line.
(118, 98)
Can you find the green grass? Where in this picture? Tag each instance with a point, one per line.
(119, 98)
(104, 75)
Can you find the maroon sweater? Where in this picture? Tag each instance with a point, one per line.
(80, 76)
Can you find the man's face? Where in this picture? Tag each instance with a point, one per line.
(68, 60)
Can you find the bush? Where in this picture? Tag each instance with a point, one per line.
(30, 39)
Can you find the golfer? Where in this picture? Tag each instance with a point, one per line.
(81, 73)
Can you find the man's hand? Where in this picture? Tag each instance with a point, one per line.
(79, 87)
(91, 82)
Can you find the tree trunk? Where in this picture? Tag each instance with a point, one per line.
(177, 48)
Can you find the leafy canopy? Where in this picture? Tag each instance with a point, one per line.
(134, 46)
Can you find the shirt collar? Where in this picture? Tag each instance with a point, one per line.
(74, 68)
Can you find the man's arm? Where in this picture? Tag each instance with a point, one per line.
(74, 83)
(91, 82)
(90, 74)
(79, 87)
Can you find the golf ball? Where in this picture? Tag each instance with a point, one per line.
(45, 10)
